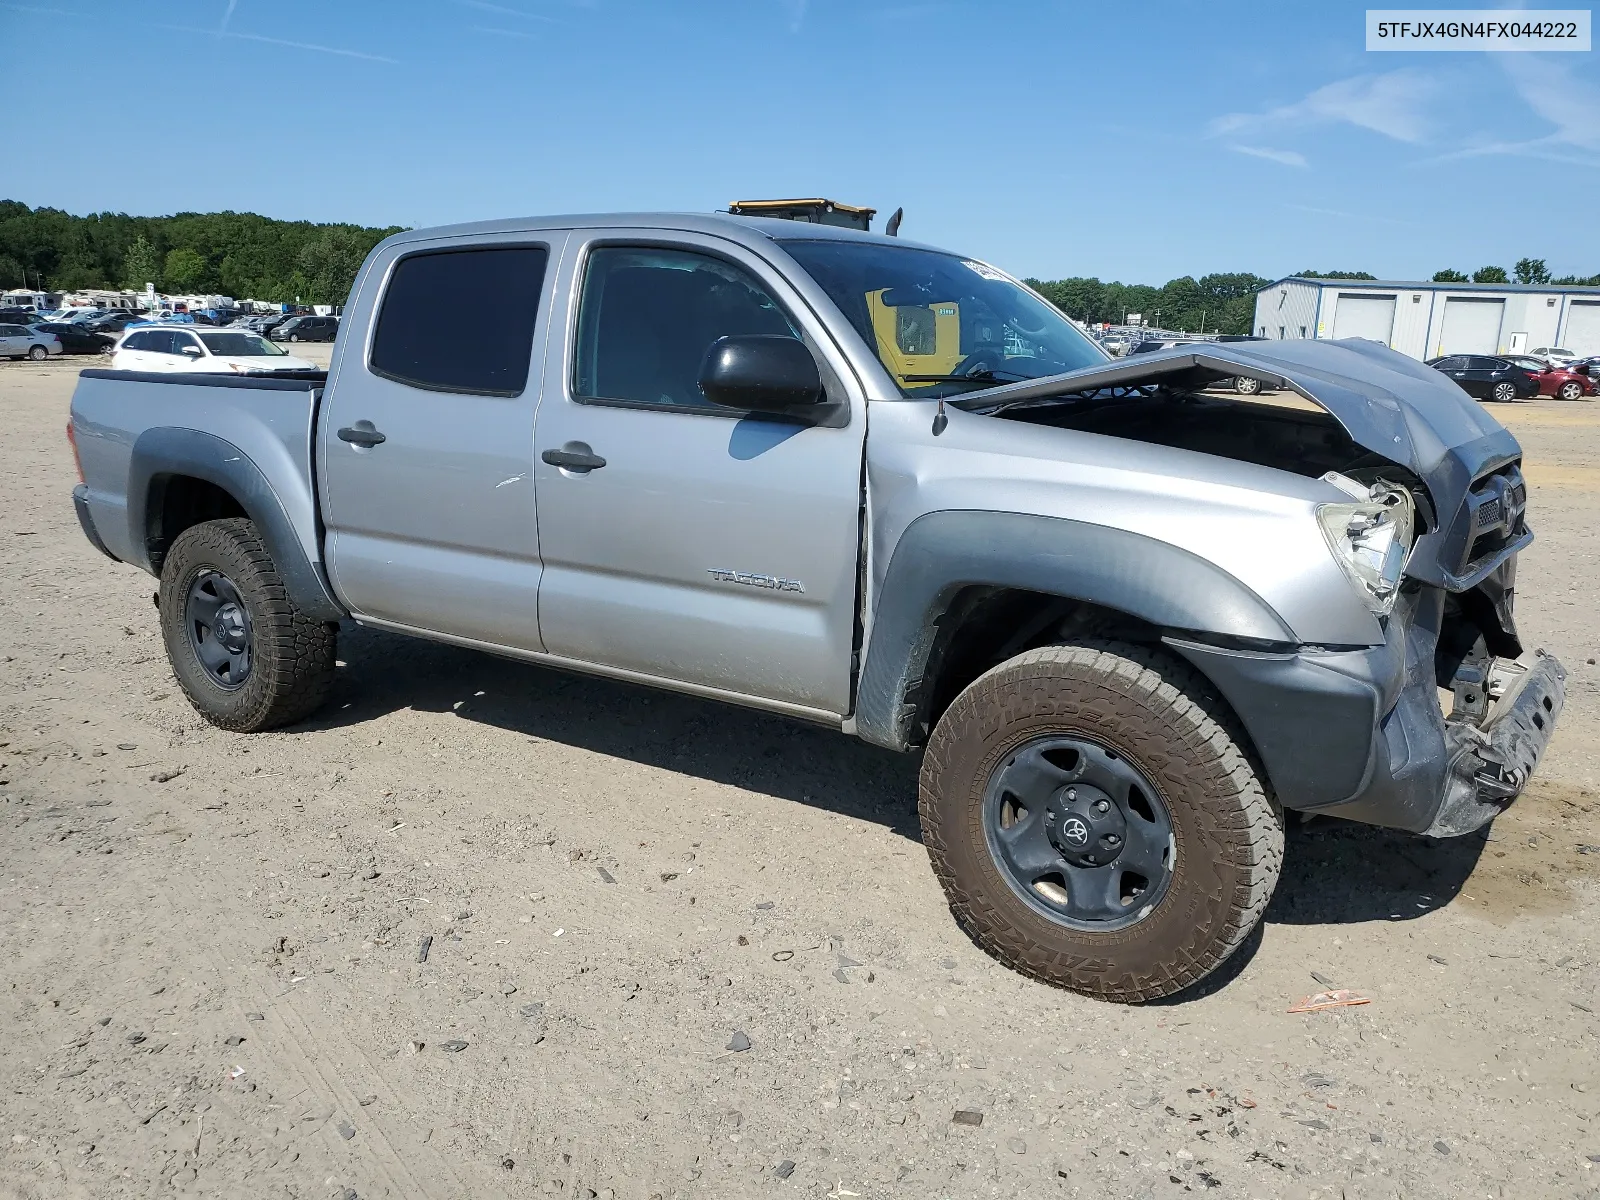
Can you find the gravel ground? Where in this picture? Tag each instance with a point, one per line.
(483, 929)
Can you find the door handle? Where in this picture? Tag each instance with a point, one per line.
(362, 434)
(574, 456)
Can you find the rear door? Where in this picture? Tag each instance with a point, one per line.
(13, 340)
(713, 548)
(425, 442)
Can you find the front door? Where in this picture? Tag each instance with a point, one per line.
(425, 443)
(682, 541)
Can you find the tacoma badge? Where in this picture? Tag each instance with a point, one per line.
(755, 579)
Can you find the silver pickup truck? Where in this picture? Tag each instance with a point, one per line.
(888, 489)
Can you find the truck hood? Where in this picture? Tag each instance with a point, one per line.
(1394, 406)
(1397, 408)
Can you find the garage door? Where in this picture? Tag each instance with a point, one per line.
(1583, 327)
(1364, 315)
(1471, 326)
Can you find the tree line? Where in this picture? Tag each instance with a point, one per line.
(242, 255)
(247, 256)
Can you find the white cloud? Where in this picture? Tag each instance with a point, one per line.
(1393, 104)
(272, 41)
(1571, 105)
(1289, 158)
(502, 10)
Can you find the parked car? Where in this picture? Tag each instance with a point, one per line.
(75, 339)
(1487, 378)
(272, 321)
(1555, 354)
(1571, 382)
(27, 341)
(306, 329)
(208, 351)
(112, 322)
(1244, 385)
(19, 316)
(1126, 634)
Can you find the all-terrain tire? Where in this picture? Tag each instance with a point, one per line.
(292, 655)
(1164, 718)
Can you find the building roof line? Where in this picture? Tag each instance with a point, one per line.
(1579, 289)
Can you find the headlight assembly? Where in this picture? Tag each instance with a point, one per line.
(1370, 538)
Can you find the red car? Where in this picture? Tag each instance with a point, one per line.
(1560, 382)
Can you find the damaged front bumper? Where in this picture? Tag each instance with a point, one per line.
(1362, 734)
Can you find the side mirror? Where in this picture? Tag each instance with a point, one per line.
(762, 372)
(190, 352)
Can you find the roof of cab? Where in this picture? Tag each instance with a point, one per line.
(748, 230)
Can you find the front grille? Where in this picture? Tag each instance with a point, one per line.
(1494, 516)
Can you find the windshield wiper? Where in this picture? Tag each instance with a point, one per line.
(984, 377)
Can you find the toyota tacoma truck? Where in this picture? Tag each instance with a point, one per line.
(887, 489)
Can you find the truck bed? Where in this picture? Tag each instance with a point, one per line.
(257, 437)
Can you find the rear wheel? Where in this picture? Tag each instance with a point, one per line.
(245, 656)
(1097, 822)
(38, 353)
(1246, 386)
(1570, 390)
(1504, 391)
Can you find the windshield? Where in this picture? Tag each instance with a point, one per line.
(944, 325)
(240, 345)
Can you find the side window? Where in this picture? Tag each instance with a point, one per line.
(10, 331)
(410, 346)
(1479, 363)
(1448, 364)
(648, 317)
(137, 341)
(160, 341)
(186, 343)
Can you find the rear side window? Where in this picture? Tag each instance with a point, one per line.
(488, 358)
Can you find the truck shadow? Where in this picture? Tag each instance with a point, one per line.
(1335, 872)
(706, 739)
(1340, 873)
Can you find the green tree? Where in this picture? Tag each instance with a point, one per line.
(140, 266)
(1490, 275)
(1449, 276)
(186, 270)
(1532, 270)
(1335, 275)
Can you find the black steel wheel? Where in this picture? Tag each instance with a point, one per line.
(244, 654)
(218, 625)
(1098, 821)
(1080, 833)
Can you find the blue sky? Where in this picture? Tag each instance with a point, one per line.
(1130, 142)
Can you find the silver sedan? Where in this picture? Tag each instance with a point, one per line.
(19, 341)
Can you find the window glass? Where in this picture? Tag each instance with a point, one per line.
(160, 341)
(648, 317)
(184, 343)
(943, 325)
(413, 347)
(1449, 364)
(11, 331)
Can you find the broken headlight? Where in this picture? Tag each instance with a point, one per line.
(1371, 537)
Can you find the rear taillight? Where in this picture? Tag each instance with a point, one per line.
(77, 462)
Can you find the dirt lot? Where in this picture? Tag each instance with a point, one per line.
(212, 943)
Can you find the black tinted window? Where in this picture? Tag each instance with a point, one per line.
(649, 316)
(412, 346)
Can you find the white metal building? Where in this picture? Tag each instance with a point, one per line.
(1426, 320)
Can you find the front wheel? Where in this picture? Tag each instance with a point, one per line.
(38, 353)
(1246, 386)
(1097, 820)
(245, 656)
(1570, 390)
(1504, 392)
(294, 337)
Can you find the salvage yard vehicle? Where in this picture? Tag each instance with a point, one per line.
(152, 348)
(28, 341)
(1127, 623)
